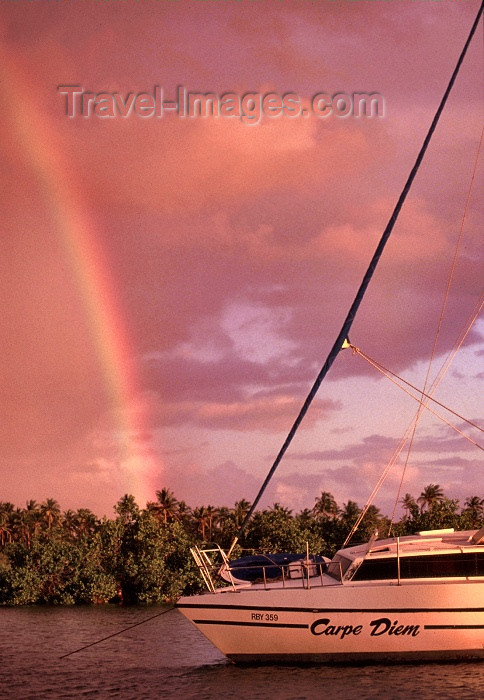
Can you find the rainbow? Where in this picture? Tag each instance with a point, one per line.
(79, 241)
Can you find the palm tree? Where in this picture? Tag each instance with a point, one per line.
(430, 495)
(224, 520)
(350, 512)
(50, 512)
(213, 518)
(127, 508)
(409, 504)
(79, 523)
(69, 522)
(7, 507)
(184, 511)
(474, 510)
(371, 521)
(5, 528)
(32, 520)
(224, 513)
(277, 508)
(325, 506)
(200, 517)
(86, 521)
(167, 505)
(240, 511)
(305, 517)
(23, 526)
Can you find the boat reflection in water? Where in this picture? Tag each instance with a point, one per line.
(414, 597)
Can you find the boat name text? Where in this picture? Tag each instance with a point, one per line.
(383, 625)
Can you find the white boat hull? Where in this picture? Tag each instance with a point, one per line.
(345, 622)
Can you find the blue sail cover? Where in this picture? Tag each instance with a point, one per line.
(251, 568)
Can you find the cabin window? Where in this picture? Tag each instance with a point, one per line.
(428, 566)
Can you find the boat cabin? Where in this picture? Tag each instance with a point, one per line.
(427, 555)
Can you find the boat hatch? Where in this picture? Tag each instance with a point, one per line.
(477, 537)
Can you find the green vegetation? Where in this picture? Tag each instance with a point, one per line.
(143, 555)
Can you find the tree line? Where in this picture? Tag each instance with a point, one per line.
(142, 555)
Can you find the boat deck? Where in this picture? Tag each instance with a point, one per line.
(428, 556)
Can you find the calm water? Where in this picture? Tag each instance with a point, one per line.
(168, 658)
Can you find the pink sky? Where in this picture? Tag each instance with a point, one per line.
(170, 287)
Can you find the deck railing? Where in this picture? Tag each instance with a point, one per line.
(217, 572)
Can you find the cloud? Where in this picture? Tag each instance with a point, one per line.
(234, 251)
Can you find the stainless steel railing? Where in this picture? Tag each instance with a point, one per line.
(218, 573)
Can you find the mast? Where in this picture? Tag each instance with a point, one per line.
(348, 322)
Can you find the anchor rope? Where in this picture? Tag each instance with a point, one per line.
(115, 634)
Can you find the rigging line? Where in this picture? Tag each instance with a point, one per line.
(115, 634)
(345, 329)
(454, 263)
(382, 478)
(439, 325)
(411, 429)
(458, 344)
(422, 403)
(393, 459)
(387, 372)
(443, 371)
(410, 444)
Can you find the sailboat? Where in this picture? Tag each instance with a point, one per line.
(418, 597)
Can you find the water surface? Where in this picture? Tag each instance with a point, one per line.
(168, 658)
